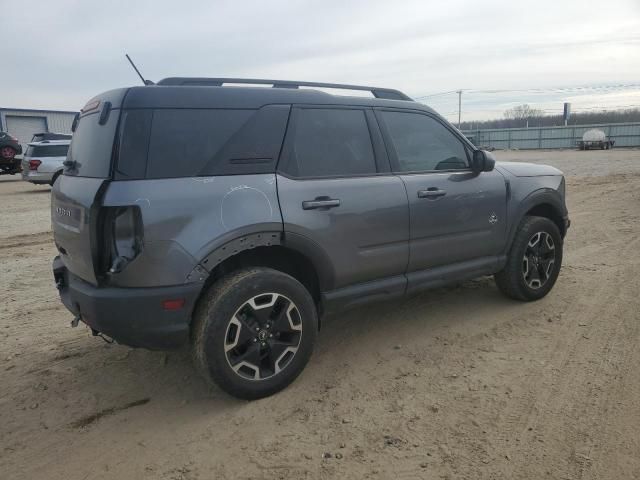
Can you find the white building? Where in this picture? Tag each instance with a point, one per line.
(23, 123)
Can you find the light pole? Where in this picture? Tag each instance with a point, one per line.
(459, 92)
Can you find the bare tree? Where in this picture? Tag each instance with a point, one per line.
(523, 112)
(578, 118)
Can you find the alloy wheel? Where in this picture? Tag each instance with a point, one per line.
(539, 260)
(263, 336)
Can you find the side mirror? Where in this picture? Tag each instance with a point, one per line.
(482, 161)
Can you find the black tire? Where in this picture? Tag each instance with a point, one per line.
(517, 279)
(225, 317)
(55, 177)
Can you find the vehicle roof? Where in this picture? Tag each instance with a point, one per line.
(51, 133)
(45, 143)
(189, 96)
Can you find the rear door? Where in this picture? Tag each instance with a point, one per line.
(336, 193)
(74, 209)
(456, 215)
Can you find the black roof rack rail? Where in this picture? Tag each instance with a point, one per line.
(386, 93)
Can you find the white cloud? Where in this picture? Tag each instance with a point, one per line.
(71, 50)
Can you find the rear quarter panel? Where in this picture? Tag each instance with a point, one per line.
(187, 218)
(51, 164)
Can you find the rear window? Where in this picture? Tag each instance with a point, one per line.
(38, 137)
(92, 146)
(47, 151)
(168, 143)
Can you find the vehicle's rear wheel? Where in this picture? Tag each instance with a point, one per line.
(534, 261)
(254, 332)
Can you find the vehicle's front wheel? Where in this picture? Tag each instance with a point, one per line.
(534, 261)
(254, 332)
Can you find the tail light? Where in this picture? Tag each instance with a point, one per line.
(121, 237)
(34, 164)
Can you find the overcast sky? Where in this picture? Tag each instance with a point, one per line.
(58, 53)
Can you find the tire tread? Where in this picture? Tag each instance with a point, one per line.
(508, 279)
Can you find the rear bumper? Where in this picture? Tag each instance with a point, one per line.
(131, 316)
(35, 176)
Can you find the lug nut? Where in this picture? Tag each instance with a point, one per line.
(255, 339)
(270, 335)
(263, 344)
(268, 326)
(257, 329)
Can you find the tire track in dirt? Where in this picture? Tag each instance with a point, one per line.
(28, 240)
(594, 353)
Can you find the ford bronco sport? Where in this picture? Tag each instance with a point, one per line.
(233, 217)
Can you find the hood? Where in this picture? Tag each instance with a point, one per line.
(520, 169)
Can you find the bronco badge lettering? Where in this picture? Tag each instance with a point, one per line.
(63, 212)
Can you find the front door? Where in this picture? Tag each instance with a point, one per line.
(456, 215)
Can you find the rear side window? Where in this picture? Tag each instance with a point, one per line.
(167, 143)
(47, 151)
(92, 146)
(329, 142)
(183, 141)
(135, 126)
(421, 143)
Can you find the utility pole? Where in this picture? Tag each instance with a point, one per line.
(459, 92)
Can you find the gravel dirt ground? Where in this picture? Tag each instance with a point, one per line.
(458, 382)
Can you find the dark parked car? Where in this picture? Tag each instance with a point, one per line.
(235, 217)
(9, 148)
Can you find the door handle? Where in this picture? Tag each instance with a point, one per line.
(431, 193)
(320, 203)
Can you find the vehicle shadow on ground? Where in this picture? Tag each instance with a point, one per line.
(171, 380)
(32, 192)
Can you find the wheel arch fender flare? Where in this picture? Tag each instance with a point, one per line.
(248, 240)
(544, 197)
(318, 257)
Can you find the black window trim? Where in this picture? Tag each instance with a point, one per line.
(381, 160)
(391, 151)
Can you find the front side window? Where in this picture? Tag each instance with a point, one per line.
(422, 143)
(330, 142)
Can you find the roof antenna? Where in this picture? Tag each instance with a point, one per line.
(146, 82)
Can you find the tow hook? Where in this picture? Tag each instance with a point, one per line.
(96, 333)
(75, 321)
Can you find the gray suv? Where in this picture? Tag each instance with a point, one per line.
(233, 218)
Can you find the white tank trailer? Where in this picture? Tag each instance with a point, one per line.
(595, 138)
